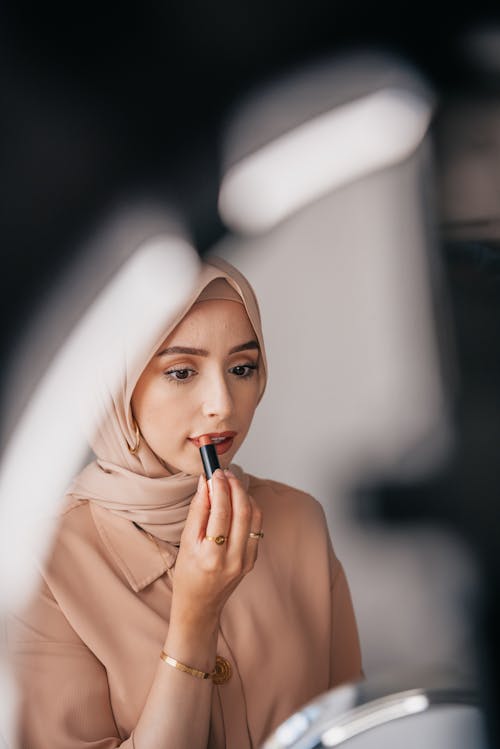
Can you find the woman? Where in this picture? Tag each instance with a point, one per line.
(166, 618)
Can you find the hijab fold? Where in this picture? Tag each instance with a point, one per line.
(138, 487)
(159, 505)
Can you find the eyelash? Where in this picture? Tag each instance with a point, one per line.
(169, 374)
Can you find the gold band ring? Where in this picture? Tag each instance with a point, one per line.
(219, 540)
(259, 534)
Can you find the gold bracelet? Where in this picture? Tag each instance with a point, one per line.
(220, 675)
(182, 667)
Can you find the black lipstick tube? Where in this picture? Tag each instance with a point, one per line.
(209, 459)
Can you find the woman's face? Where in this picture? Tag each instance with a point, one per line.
(202, 380)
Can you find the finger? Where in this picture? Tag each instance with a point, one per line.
(199, 511)
(242, 517)
(219, 520)
(252, 549)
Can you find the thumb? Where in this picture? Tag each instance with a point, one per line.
(199, 510)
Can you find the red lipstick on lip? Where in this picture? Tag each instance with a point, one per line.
(210, 436)
(222, 441)
(210, 450)
(208, 455)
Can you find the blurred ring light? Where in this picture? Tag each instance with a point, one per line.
(49, 442)
(371, 716)
(335, 148)
(387, 709)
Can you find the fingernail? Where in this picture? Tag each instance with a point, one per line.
(219, 474)
(229, 473)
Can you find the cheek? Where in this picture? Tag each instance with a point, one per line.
(248, 402)
(154, 405)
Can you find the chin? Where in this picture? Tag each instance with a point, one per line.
(228, 457)
(192, 468)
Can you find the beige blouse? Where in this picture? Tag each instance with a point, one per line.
(87, 647)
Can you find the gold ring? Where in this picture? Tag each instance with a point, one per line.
(259, 534)
(219, 540)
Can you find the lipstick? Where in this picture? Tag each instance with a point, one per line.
(208, 456)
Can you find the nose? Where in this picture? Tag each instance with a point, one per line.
(217, 397)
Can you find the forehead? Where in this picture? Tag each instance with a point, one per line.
(213, 318)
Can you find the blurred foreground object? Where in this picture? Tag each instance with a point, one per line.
(52, 416)
(135, 272)
(360, 718)
(354, 257)
(321, 129)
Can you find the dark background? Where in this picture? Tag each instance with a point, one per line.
(101, 100)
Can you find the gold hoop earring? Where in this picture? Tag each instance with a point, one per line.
(133, 450)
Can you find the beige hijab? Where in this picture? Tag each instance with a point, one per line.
(137, 486)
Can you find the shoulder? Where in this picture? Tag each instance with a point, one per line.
(76, 540)
(297, 536)
(275, 497)
(75, 519)
(280, 492)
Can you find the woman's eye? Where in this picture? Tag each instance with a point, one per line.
(243, 370)
(180, 375)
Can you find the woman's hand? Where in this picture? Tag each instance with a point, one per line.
(177, 710)
(206, 573)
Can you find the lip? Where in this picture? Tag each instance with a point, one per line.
(221, 447)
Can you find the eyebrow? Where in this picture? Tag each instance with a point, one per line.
(249, 345)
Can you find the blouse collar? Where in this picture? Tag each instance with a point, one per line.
(139, 556)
